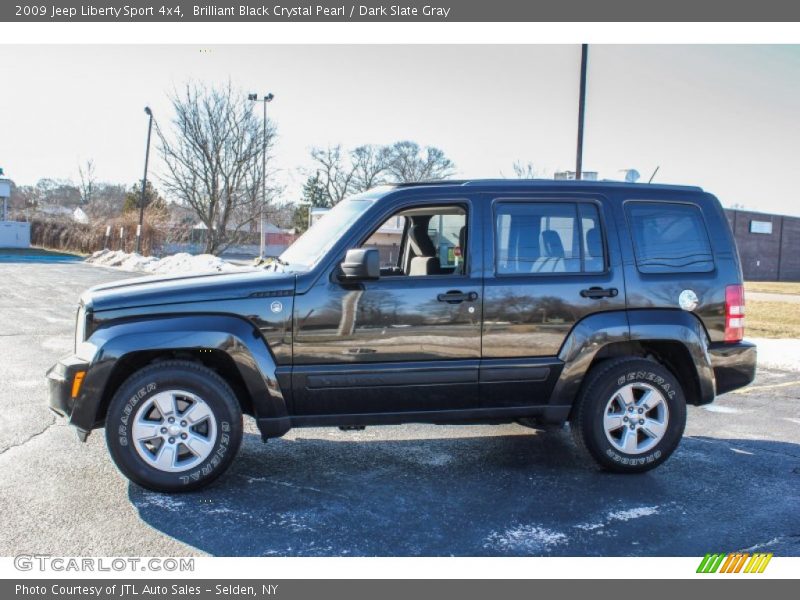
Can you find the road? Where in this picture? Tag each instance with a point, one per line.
(733, 484)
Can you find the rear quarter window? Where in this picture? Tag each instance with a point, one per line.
(669, 237)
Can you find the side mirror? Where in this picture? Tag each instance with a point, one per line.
(360, 264)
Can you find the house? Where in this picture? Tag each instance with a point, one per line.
(79, 216)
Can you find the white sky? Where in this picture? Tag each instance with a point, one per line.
(723, 117)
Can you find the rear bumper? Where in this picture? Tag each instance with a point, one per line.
(734, 365)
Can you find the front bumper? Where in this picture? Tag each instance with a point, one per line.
(734, 365)
(60, 378)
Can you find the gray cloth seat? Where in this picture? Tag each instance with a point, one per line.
(425, 261)
(552, 258)
(594, 251)
(424, 265)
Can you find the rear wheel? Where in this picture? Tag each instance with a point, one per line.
(174, 426)
(630, 415)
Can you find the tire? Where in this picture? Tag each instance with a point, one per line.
(601, 419)
(184, 454)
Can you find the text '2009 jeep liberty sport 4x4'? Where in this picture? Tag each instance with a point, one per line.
(609, 305)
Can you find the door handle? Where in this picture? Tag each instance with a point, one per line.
(598, 292)
(456, 297)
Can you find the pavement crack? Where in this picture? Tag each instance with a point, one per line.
(30, 437)
(297, 487)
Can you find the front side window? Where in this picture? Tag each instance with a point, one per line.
(548, 237)
(669, 237)
(422, 241)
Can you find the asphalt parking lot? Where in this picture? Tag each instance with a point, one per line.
(733, 484)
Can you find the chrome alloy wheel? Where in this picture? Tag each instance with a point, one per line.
(174, 431)
(636, 418)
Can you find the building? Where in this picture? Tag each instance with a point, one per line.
(570, 175)
(769, 245)
(13, 234)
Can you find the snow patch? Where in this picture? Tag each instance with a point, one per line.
(632, 513)
(619, 515)
(778, 354)
(720, 409)
(175, 263)
(771, 542)
(162, 501)
(526, 539)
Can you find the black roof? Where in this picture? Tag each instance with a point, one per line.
(547, 183)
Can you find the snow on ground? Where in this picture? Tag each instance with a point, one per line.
(176, 263)
(778, 354)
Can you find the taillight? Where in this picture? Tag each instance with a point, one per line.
(734, 313)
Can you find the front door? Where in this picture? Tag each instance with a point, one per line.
(409, 341)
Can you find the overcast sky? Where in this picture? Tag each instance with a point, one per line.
(723, 117)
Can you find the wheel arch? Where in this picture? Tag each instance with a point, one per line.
(231, 346)
(674, 338)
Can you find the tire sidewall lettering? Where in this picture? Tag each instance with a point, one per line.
(603, 389)
(127, 411)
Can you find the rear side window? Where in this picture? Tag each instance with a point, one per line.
(548, 237)
(669, 237)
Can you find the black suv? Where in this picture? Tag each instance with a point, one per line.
(608, 305)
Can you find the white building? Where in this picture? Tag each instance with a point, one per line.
(12, 233)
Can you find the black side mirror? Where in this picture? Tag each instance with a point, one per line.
(360, 264)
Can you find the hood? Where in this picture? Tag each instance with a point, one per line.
(180, 289)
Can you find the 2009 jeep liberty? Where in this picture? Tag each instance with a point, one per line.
(609, 305)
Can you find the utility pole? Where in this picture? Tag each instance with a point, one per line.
(144, 182)
(581, 111)
(268, 98)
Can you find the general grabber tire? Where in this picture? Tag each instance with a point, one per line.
(629, 416)
(174, 426)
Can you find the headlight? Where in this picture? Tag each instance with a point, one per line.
(83, 324)
(80, 326)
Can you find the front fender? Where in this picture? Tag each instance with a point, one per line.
(234, 336)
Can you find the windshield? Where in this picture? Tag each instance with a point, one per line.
(314, 243)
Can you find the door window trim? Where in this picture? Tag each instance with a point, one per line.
(433, 202)
(575, 201)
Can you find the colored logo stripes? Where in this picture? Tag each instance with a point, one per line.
(735, 562)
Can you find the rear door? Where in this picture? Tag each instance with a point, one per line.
(551, 260)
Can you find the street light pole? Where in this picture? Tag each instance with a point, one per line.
(268, 98)
(144, 181)
(581, 112)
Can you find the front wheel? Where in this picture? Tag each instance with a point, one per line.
(174, 426)
(630, 415)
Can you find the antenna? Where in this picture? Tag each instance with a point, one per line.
(654, 174)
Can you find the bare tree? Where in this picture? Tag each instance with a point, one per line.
(370, 163)
(336, 173)
(212, 154)
(524, 170)
(341, 173)
(88, 181)
(408, 162)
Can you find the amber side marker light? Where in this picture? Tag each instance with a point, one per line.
(77, 382)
